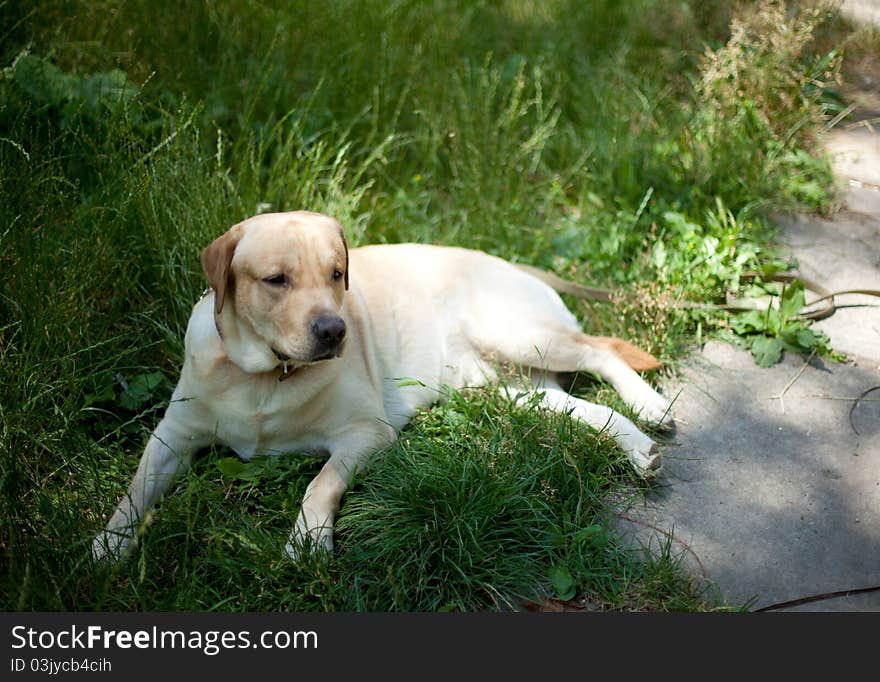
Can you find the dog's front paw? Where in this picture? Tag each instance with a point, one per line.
(309, 536)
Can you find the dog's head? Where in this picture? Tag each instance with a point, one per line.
(279, 280)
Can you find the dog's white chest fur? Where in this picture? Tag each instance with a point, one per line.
(252, 414)
(270, 428)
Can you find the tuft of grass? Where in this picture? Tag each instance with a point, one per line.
(485, 505)
(482, 498)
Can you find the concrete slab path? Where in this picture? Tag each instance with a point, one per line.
(773, 478)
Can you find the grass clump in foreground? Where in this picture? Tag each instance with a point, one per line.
(484, 505)
(608, 141)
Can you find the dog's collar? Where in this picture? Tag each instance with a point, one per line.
(216, 317)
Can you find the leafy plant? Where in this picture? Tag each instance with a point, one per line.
(705, 259)
(141, 390)
(564, 586)
(48, 85)
(769, 332)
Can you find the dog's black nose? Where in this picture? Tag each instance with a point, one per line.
(328, 329)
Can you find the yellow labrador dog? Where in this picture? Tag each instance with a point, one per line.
(303, 346)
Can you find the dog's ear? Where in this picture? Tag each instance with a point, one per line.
(216, 259)
(345, 245)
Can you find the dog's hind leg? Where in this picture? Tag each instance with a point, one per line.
(642, 452)
(519, 319)
(556, 349)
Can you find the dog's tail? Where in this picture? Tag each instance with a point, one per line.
(563, 286)
(639, 360)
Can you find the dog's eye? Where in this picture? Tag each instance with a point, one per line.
(276, 280)
(337, 275)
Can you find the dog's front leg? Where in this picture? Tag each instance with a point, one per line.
(314, 525)
(167, 455)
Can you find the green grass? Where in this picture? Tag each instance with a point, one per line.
(589, 138)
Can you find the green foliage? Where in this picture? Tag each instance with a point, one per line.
(773, 330)
(761, 103)
(46, 84)
(564, 586)
(141, 390)
(806, 179)
(698, 267)
(703, 260)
